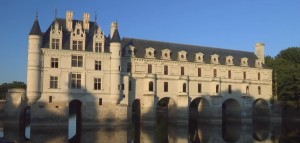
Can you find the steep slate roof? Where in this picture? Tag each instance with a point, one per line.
(140, 46)
(116, 36)
(67, 35)
(35, 29)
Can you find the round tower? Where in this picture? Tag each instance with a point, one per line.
(34, 63)
(115, 67)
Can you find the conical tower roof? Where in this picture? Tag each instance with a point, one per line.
(116, 37)
(35, 29)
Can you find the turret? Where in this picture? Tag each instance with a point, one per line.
(260, 51)
(34, 63)
(115, 50)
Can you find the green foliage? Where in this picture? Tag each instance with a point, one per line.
(5, 86)
(286, 75)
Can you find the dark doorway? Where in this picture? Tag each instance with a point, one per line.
(75, 119)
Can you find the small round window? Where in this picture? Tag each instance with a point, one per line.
(182, 56)
(229, 61)
(166, 54)
(149, 53)
(199, 58)
(215, 59)
(244, 62)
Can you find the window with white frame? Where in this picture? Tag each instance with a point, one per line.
(54, 62)
(76, 80)
(97, 83)
(77, 45)
(55, 43)
(98, 47)
(53, 82)
(98, 65)
(77, 61)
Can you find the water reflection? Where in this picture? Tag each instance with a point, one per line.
(162, 132)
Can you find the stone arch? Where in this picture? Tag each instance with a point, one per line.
(75, 119)
(261, 109)
(199, 109)
(166, 108)
(231, 110)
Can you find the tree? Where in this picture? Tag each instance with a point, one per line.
(5, 86)
(286, 78)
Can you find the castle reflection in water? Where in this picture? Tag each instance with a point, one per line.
(161, 132)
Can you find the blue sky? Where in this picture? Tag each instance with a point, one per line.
(231, 24)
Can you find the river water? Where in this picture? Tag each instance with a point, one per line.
(161, 132)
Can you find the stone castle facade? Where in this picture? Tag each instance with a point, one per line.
(73, 61)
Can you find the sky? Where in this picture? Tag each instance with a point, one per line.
(230, 24)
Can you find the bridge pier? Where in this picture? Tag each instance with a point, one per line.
(14, 106)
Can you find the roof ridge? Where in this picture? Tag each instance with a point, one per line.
(164, 42)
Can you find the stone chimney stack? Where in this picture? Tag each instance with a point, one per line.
(113, 27)
(260, 51)
(69, 20)
(86, 21)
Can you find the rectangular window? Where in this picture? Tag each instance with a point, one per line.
(166, 87)
(215, 73)
(100, 101)
(98, 47)
(55, 43)
(98, 65)
(244, 75)
(229, 89)
(258, 76)
(54, 62)
(53, 82)
(229, 74)
(199, 88)
(76, 81)
(165, 70)
(77, 61)
(97, 83)
(199, 72)
(123, 86)
(50, 99)
(149, 68)
(77, 45)
(259, 90)
(182, 70)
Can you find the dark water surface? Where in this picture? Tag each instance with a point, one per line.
(161, 132)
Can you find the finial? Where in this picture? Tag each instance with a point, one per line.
(55, 13)
(95, 16)
(36, 14)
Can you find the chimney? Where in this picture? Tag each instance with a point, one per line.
(86, 21)
(260, 51)
(113, 27)
(69, 20)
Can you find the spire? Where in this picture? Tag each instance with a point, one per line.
(116, 37)
(55, 13)
(35, 29)
(95, 16)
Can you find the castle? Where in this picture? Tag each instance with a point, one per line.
(108, 78)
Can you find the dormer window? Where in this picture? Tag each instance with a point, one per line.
(55, 37)
(165, 54)
(214, 59)
(244, 61)
(131, 51)
(149, 53)
(98, 40)
(199, 57)
(229, 60)
(78, 38)
(182, 56)
(258, 64)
